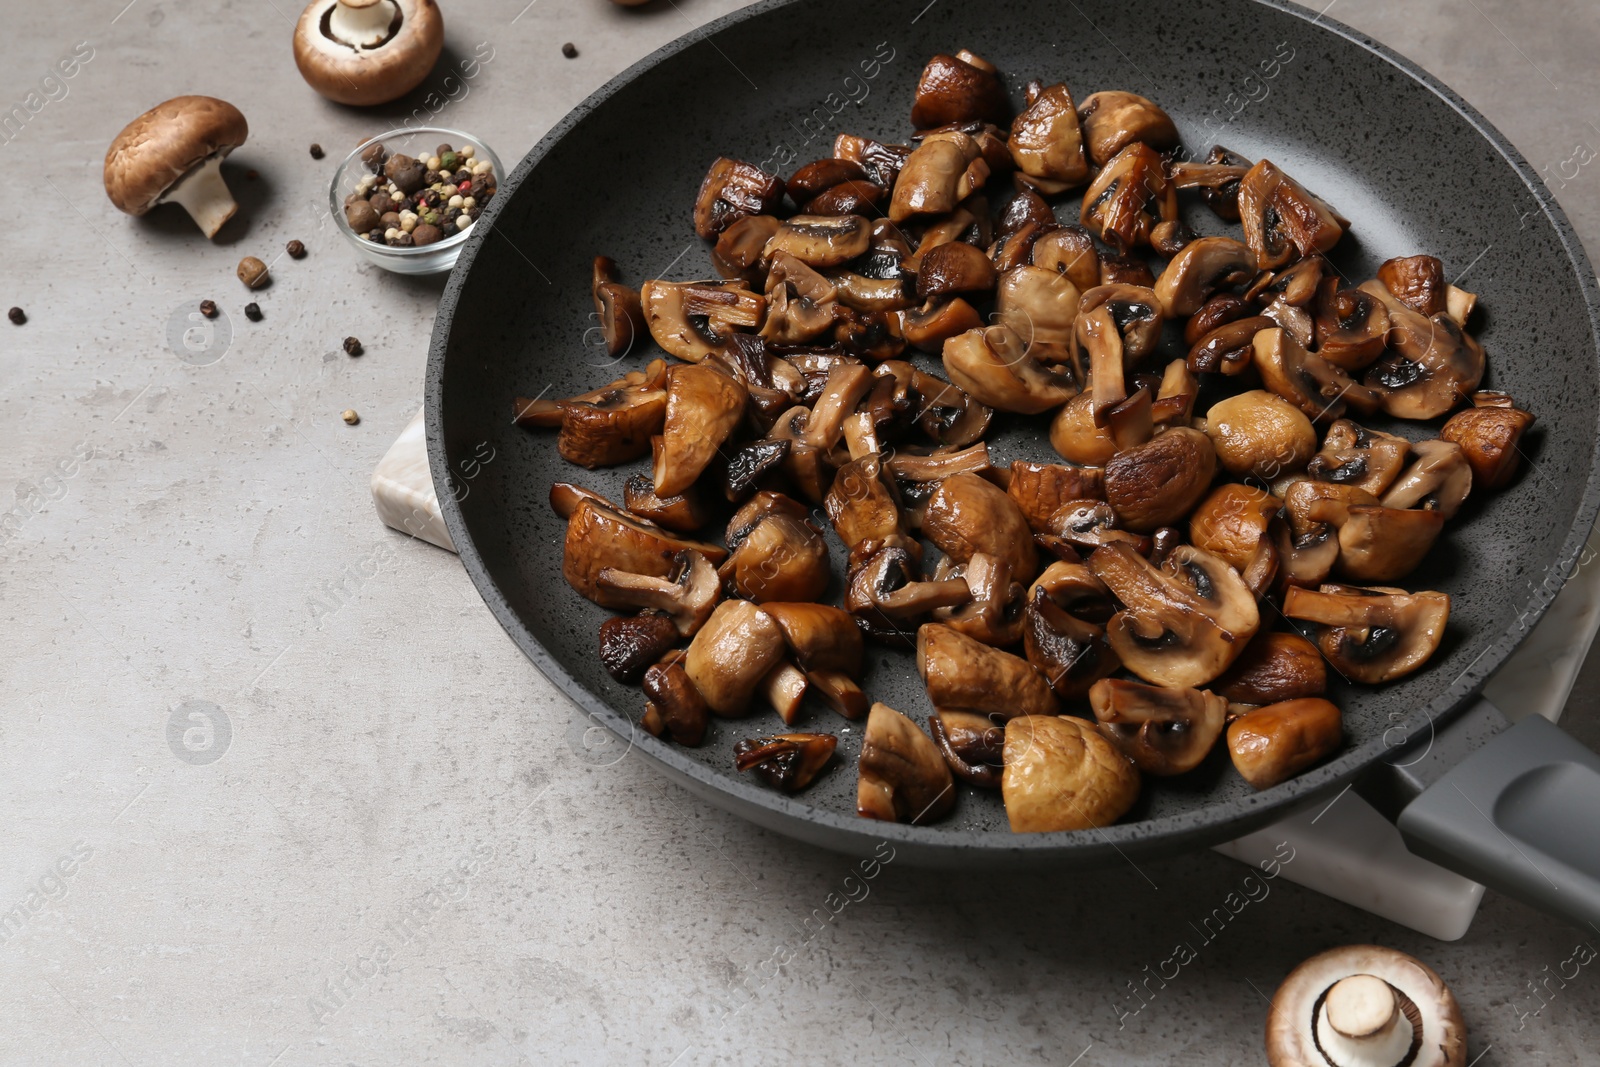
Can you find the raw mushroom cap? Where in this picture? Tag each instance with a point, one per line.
(172, 152)
(366, 74)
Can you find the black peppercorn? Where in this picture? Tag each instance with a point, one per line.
(352, 346)
(17, 316)
(316, 151)
(295, 249)
(569, 50)
(252, 312)
(208, 308)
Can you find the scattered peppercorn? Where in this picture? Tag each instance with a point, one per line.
(569, 50)
(208, 308)
(252, 272)
(316, 151)
(252, 312)
(350, 417)
(17, 316)
(352, 346)
(296, 250)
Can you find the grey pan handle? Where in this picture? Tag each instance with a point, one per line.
(1521, 814)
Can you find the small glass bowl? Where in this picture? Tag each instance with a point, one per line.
(418, 142)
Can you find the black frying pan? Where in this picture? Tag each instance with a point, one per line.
(1413, 166)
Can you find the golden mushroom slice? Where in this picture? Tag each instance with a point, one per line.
(969, 514)
(973, 746)
(1274, 667)
(1046, 140)
(1282, 221)
(902, 776)
(674, 706)
(1433, 365)
(937, 176)
(693, 320)
(1372, 635)
(1112, 120)
(787, 762)
(1159, 482)
(734, 190)
(1040, 489)
(1064, 629)
(1060, 774)
(959, 88)
(774, 553)
(1417, 282)
(963, 674)
(1274, 743)
(1128, 198)
(1308, 381)
(1201, 269)
(821, 240)
(601, 537)
(1350, 327)
(1233, 522)
(1354, 455)
(994, 615)
(686, 595)
(1439, 479)
(1489, 433)
(732, 654)
(609, 425)
(704, 406)
(1041, 306)
(995, 366)
(1378, 543)
(617, 306)
(1163, 731)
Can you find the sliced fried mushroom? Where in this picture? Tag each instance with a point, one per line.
(954, 269)
(1281, 220)
(1274, 667)
(1311, 383)
(1309, 547)
(750, 464)
(1260, 434)
(969, 514)
(1064, 631)
(1350, 327)
(931, 325)
(994, 615)
(1433, 367)
(937, 176)
(822, 240)
(959, 88)
(973, 746)
(1128, 197)
(1439, 479)
(1372, 635)
(1060, 774)
(1136, 316)
(1125, 270)
(888, 600)
(1163, 731)
(1376, 543)
(940, 464)
(994, 365)
(691, 320)
(1417, 282)
(1181, 625)
(1365, 1006)
(1201, 269)
(1112, 120)
(784, 688)
(1070, 251)
(902, 776)
(1039, 489)
(847, 198)
(1087, 524)
(599, 537)
(732, 190)
(1223, 199)
(740, 251)
(1219, 310)
(1232, 522)
(1489, 434)
(1230, 348)
(704, 406)
(963, 674)
(801, 304)
(863, 511)
(787, 762)
(1041, 306)
(612, 424)
(1159, 482)
(1074, 435)
(1046, 141)
(779, 557)
(1354, 455)
(826, 643)
(732, 654)
(1274, 743)
(687, 595)
(629, 644)
(675, 702)
(617, 306)
(685, 512)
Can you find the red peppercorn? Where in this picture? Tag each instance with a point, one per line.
(464, 186)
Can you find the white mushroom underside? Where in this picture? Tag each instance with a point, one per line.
(204, 195)
(362, 26)
(1383, 1049)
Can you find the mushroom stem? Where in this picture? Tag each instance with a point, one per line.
(204, 195)
(1361, 1022)
(361, 23)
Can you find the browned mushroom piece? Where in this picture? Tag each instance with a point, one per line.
(774, 553)
(685, 512)
(565, 498)
(1112, 120)
(994, 366)
(1272, 744)
(882, 162)
(942, 172)
(1365, 1006)
(1069, 251)
(931, 325)
(629, 644)
(963, 674)
(1182, 624)
(994, 615)
(1075, 436)
(1274, 667)
(1039, 489)
(1372, 635)
(1377, 543)
(1159, 482)
(941, 463)
(1417, 282)
(1438, 479)
(750, 464)
(617, 309)
(1040, 305)
(732, 654)
(1260, 435)
(704, 406)
(1350, 327)
(687, 595)
(1219, 310)
(888, 598)
(902, 776)
(826, 643)
(600, 537)
(959, 88)
(674, 701)
(954, 269)
(973, 746)
(1309, 547)
(1026, 209)
(787, 762)
(1047, 143)
(847, 198)
(1128, 197)
(691, 320)
(1136, 317)
(1223, 198)
(1230, 348)
(863, 510)
(1489, 434)
(1064, 629)
(1200, 270)
(740, 251)
(1061, 774)
(1087, 524)
(1308, 381)
(1281, 220)
(969, 514)
(1232, 522)
(1163, 731)
(1354, 455)
(784, 687)
(732, 190)
(611, 425)
(822, 240)
(1433, 365)
(801, 304)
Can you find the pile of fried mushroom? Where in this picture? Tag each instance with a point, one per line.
(1078, 623)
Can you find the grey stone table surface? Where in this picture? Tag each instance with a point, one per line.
(377, 843)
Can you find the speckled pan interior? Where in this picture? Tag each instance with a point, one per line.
(1412, 166)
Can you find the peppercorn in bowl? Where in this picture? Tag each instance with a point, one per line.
(407, 199)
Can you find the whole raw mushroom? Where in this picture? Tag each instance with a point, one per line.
(366, 52)
(173, 153)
